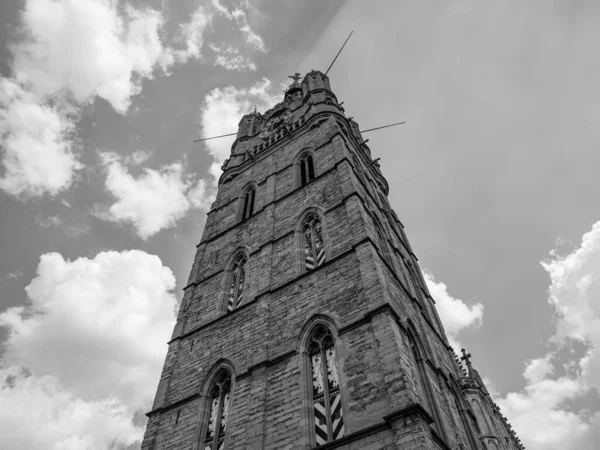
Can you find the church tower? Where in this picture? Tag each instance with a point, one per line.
(306, 321)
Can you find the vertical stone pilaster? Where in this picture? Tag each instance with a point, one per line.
(411, 430)
(249, 410)
(395, 359)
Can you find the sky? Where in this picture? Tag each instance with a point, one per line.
(103, 194)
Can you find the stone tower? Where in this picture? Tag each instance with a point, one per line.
(306, 321)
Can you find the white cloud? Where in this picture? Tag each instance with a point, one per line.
(154, 200)
(84, 356)
(201, 196)
(38, 151)
(14, 275)
(193, 34)
(241, 19)
(33, 422)
(221, 112)
(71, 229)
(88, 48)
(538, 417)
(137, 158)
(47, 222)
(538, 412)
(229, 58)
(575, 293)
(253, 39)
(455, 314)
(222, 9)
(69, 52)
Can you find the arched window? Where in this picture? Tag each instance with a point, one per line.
(237, 279)
(314, 249)
(248, 205)
(220, 394)
(327, 400)
(307, 169)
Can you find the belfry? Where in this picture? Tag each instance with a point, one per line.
(306, 321)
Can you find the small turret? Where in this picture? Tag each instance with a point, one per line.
(315, 80)
(248, 125)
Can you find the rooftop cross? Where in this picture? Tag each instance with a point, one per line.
(465, 357)
(295, 77)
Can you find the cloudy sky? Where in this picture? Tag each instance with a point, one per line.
(103, 195)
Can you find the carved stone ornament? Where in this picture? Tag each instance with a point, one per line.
(275, 123)
(468, 383)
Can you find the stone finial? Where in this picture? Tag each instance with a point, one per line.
(466, 356)
(295, 77)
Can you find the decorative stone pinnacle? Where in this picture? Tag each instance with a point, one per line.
(295, 77)
(465, 357)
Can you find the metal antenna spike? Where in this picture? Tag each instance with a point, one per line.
(338, 53)
(215, 137)
(385, 126)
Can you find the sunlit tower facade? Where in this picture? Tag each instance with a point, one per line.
(306, 322)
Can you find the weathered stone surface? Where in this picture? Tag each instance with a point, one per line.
(397, 373)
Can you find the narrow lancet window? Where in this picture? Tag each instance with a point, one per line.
(236, 283)
(307, 169)
(314, 249)
(219, 408)
(327, 400)
(248, 204)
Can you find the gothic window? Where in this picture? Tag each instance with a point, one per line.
(248, 205)
(237, 278)
(307, 169)
(314, 249)
(219, 395)
(326, 397)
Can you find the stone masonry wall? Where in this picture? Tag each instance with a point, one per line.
(364, 293)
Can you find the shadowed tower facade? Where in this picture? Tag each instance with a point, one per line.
(306, 321)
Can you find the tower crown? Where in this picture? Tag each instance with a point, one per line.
(315, 80)
(302, 101)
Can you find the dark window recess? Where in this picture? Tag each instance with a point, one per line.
(307, 169)
(248, 204)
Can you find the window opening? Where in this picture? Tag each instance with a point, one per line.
(314, 249)
(236, 285)
(327, 400)
(307, 169)
(248, 204)
(219, 409)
